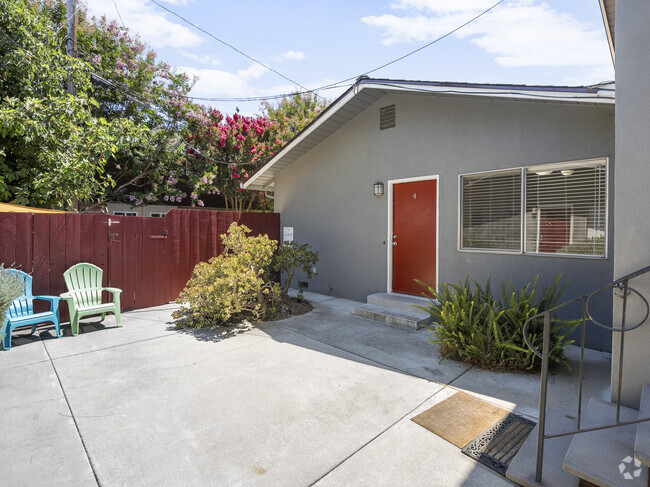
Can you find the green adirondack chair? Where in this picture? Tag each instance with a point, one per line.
(84, 296)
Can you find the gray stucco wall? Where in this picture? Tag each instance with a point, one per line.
(632, 237)
(327, 195)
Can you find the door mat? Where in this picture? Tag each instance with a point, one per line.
(498, 445)
(460, 418)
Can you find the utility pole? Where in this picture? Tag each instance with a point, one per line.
(71, 40)
(71, 50)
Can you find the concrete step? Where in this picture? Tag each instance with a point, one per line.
(642, 441)
(522, 467)
(606, 457)
(403, 302)
(394, 317)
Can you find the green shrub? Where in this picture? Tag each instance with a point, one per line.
(235, 283)
(473, 326)
(11, 287)
(293, 256)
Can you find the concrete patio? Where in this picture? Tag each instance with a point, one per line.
(321, 399)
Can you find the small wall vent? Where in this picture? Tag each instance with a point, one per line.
(387, 117)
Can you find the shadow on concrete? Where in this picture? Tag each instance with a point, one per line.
(214, 334)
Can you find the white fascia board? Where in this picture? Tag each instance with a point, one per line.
(310, 129)
(604, 97)
(601, 97)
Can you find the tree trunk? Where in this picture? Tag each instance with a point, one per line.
(288, 283)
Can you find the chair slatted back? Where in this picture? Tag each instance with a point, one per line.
(84, 282)
(23, 305)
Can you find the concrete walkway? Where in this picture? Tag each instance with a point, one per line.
(321, 399)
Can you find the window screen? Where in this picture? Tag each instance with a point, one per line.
(491, 211)
(566, 209)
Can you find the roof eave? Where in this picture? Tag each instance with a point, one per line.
(263, 179)
(607, 22)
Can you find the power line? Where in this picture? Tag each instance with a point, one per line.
(341, 83)
(232, 47)
(438, 39)
(259, 98)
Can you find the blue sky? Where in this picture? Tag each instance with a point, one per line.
(316, 42)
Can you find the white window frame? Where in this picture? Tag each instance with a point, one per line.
(125, 213)
(157, 214)
(523, 169)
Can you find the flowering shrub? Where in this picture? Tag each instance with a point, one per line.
(293, 256)
(235, 283)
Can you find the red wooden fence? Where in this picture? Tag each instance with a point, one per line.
(150, 259)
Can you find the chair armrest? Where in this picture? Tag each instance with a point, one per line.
(113, 290)
(51, 299)
(66, 295)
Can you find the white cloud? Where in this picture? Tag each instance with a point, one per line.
(443, 6)
(292, 55)
(200, 58)
(149, 21)
(219, 83)
(178, 2)
(517, 33)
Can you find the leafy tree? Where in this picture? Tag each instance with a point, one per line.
(234, 147)
(53, 151)
(130, 133)
(230, 148)
(293, 256)
(117, 141)
(293, 113)
(131, 83)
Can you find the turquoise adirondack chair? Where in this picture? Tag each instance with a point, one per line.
(84, 296)
(21, 312)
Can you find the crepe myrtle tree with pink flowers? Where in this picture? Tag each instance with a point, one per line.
(232, 148)
(229, 149)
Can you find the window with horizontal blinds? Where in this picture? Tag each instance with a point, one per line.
(491, 211)
(566, 208)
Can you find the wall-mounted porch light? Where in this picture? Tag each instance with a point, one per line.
(379, 189)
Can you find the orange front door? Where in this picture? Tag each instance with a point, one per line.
(414, 235)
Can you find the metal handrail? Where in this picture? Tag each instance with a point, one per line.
(620, 284)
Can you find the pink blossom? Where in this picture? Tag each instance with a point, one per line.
(118, 167)
(194, 196)
(131, 198)
(149, 197)
(178, 199)
(166, 198)
(200, 203)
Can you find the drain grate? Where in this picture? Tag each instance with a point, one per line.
(497, 446)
